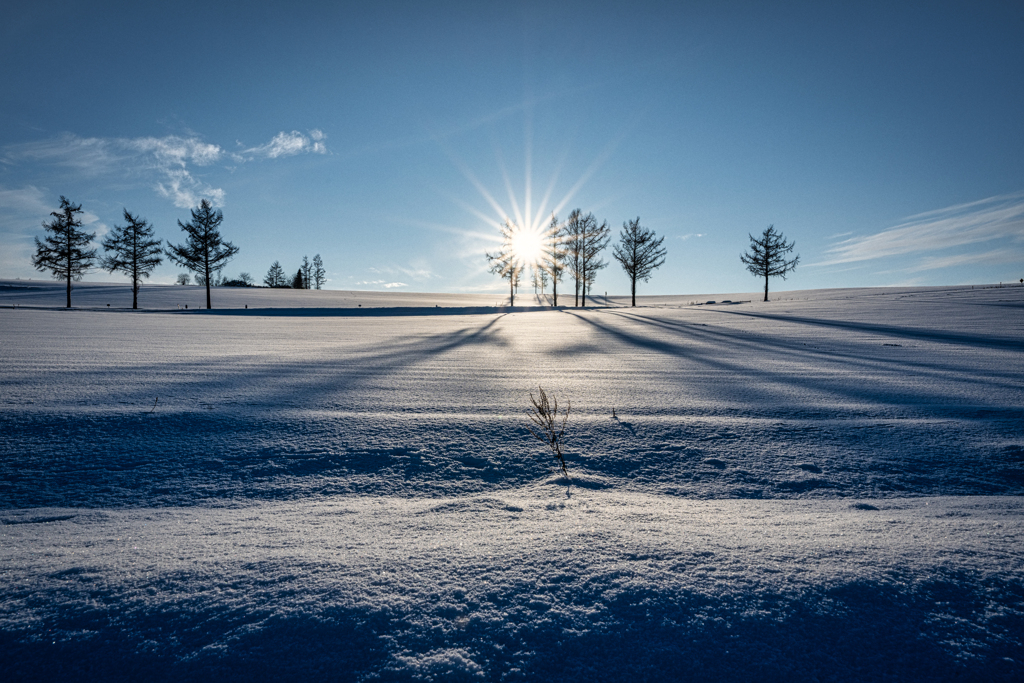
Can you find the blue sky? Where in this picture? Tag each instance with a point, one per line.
(392, 138)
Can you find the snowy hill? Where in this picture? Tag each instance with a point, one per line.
(827, 486)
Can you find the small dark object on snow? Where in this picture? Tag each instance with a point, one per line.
(545, 416)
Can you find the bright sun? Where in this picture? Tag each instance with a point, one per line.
(527, 246)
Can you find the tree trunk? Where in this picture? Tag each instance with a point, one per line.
(69, 272)
(511, 292)
(554, 290)
(633, 288)
(766, 288)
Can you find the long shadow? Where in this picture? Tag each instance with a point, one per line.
(800, 351)
(369, 312)
(891, 330)
(305, 386)
(934, 402)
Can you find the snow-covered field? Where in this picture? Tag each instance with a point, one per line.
(327, 485)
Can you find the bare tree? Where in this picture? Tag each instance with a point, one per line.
(767, 256)
(554, 254)
(639, 252)
(204, 252)
(319, 274)
(132, 251)
(595, 239)
(307, 271)
(274, 276)
(64, 252)
(184, 279)
(245, 279)
(572, 243)
(506, 262)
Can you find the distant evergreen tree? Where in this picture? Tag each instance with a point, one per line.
(319, 274)
(64, 252)
(306, 273)
(274, 276)
(639, 252)
(132, 251)
(767, 256)
(297, 280)
(204, 252)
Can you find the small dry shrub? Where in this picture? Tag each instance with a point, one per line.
(549, 429)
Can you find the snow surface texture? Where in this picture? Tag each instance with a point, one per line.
(829, 486)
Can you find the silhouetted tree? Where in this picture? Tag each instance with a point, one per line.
(505, 262)
(274, 276)
(245, 279)
(595, 239)
(307, 273)
(297, 280)
(204, 252)
(553, 259)
(639, 252)
(319, 274)
(132, 251)
(184, 279)
(767, 256)
(63, 252)
(572, 243)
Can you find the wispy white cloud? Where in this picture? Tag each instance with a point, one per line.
(692, 234)
(995, 218)
(288, 144)
(171, 159)
(380, 283)
(416, 271)
(994, 257)
(26, 200)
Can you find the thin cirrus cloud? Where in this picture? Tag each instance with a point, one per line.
(381, 283)
(171, 159)
(959, 226)
(288, 144)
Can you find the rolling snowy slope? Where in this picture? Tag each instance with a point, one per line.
(826, 486)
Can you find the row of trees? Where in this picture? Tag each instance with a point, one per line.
(243, 280)
(131, 248)
(575, 248)
(311, 275)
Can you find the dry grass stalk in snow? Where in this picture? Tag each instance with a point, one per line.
(545, 416)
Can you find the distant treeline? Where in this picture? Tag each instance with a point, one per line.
(132, 249)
